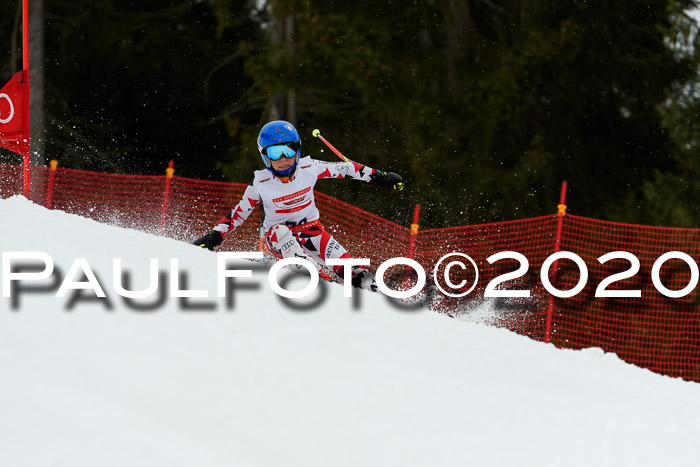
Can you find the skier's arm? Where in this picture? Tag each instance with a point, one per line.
(240, 213)
(231, 221)
(343, 170)
(351, 169)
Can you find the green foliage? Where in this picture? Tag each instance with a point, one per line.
(130, 85)
(484, 107)
(669, 196)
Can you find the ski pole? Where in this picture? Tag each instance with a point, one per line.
(317, 134)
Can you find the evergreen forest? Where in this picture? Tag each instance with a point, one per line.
(483, 106)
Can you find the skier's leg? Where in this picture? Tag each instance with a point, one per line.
(321, 245)
(283, 244)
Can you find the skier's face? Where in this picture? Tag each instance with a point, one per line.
(282, 163)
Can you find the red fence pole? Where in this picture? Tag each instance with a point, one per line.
(25, 80)
(25, 34)
(414, 232)
(52, 177)
(561, 212)
(25, 171)
(169, 172)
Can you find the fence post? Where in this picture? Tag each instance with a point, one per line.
(25, 171)
(414, 232)
(561, 212)
(52, 178)
(169, 172)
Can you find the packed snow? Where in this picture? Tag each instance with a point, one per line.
(248, 380)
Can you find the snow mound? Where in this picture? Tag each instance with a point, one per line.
(248, 380)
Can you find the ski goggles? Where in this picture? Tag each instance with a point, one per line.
(277, 151)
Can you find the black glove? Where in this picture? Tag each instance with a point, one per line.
(210, 240)
(387, 180)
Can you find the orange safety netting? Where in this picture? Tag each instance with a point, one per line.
(533, 238)
(653, 331)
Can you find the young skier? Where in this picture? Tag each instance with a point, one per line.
(285, 189)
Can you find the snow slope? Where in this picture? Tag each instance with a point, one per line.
(258, 383)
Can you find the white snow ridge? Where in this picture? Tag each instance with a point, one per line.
(251, 382)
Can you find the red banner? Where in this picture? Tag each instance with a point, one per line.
(14, 115)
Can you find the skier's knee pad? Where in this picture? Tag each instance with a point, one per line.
(281, 242)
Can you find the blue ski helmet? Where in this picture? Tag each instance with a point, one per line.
(279, 139)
